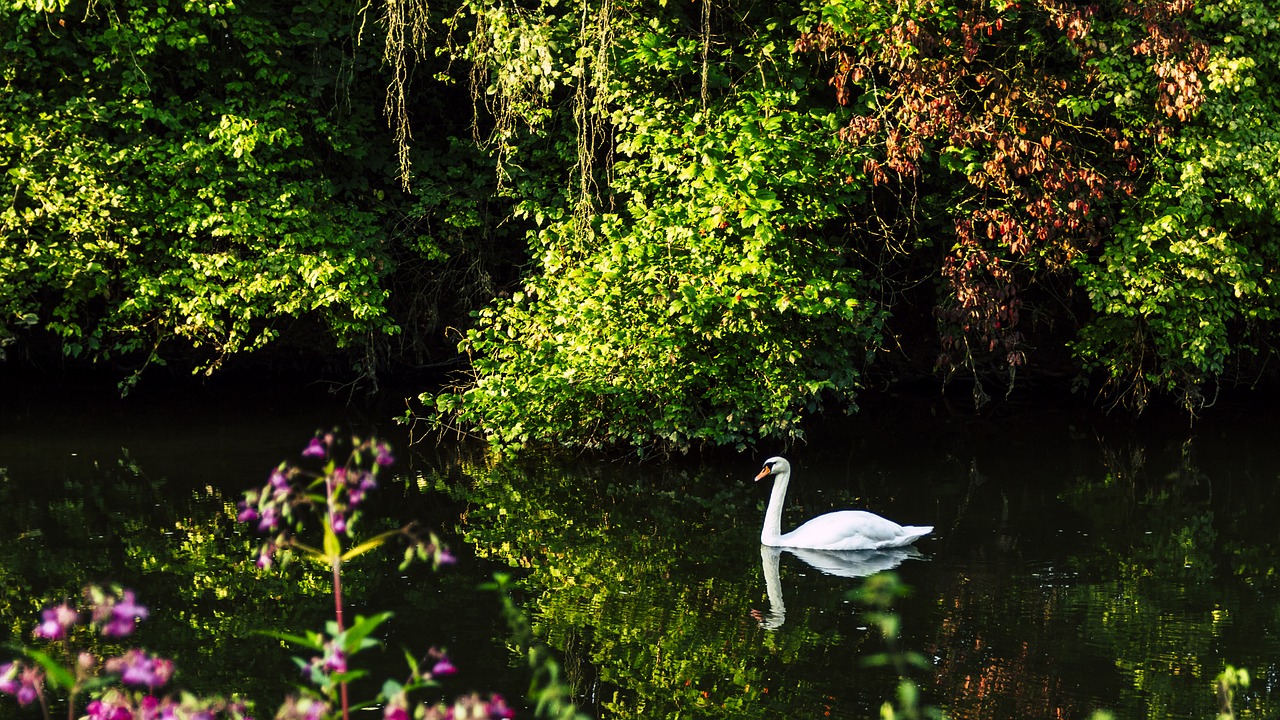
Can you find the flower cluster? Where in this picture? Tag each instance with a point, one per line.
(138, 668)
(303, 708)
(115, 612)
(333, 659)
(467, 707)
(55, 621)
(333, 491)
(22, 682)
(337, 489)
(124, 687)
(117, 705)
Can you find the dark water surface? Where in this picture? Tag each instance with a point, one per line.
(1078, 563)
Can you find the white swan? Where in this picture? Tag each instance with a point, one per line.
(841, 530)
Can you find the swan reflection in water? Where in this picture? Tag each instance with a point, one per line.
(840, 563)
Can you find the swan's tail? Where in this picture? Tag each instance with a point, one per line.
(911, 533)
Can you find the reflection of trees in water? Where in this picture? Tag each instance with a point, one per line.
(995, 642)
(642, 583)
(1118, 581)
(1138, 612)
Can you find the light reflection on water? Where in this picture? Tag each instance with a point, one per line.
(1075, 565)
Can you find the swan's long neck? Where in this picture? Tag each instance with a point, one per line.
(773, 514)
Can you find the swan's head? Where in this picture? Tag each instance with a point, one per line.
(774, 466)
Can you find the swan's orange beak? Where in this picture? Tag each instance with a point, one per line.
(765, 472)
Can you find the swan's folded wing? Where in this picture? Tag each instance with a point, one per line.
(850, 530)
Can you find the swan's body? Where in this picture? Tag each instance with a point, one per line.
(841, 530)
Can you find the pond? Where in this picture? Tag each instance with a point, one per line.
(1078, 563)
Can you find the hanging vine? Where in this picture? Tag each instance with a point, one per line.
(406, 37)
(590, 104)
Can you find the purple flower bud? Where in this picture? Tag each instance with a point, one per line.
(443, 667)
(444, 557)
(137, 668)
(119, 617)
(335, 660)
(498, 708)
(339, 522)
(29, 686)
(55, 622)
(384, 457)
(247, 514)
(315, 449)
(395, 712)
(270, 519)
(265, 555)
(279, 480)
(108, 710)
(49, 629)
(9, 678)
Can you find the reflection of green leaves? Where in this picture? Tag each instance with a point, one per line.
(650, 583)
(113, 518)
(1153, 595)
(548, 688)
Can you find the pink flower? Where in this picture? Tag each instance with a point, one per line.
(55, 622)
(108, 710)
(23, 683)
(498, 708)
(270, 519)
(334, 659)
(9, 678)
(384, 457)
(137, 668)
(315, 449)
(119, 615)
(266, 555)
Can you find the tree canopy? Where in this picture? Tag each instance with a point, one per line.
(653, 224)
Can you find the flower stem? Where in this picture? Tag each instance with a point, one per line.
(337, 616)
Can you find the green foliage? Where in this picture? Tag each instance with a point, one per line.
(1186, 291)
(683, 224)
(170, 180)
(197, 182)
(715, 304)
